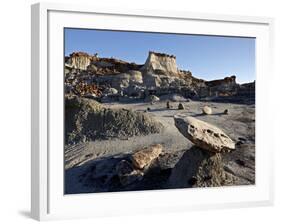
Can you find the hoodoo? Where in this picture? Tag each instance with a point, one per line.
(159, 62)
(79, 60)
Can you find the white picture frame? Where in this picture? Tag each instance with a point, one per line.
(48, 201)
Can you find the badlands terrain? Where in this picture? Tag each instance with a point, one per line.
(127, 127)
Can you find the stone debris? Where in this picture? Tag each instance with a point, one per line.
(207, 110)
(83, 89)
(225, 111)
(144, 157)
(204, 135)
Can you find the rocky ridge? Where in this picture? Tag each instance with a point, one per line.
(90, 76)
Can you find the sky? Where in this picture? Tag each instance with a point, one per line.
(207, 57)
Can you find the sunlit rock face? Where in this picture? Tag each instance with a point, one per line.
(160, 63)
(79, 60)
(159, 76)
(226, 86)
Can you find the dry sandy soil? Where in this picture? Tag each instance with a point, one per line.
(239, 124)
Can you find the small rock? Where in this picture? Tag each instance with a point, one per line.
(207, 110)
(204, 135)
(144, 157)
(148, 109)
(225, 111)
(152, 99)
(168, 104)
(111, 92)
(181, 107)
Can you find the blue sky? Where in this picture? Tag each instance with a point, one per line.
(207, 57)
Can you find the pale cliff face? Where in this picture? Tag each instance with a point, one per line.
(161, 62)
(79, 60)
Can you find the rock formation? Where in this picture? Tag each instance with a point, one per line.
(160, 63)
(223, 87)
(87, 119)
(199, 168)
(158, 76)
(202, 165)
(79, 60)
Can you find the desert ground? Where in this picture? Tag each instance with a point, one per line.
(89, 165)
(154, 126)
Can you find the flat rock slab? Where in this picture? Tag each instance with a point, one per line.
(144, 157)
(204, 135)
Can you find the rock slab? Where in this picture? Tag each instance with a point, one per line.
(144, 157)
(204, 135)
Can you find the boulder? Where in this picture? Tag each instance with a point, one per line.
(207, 110)
(180, 106)
(152, 98)
(127, 174)
(111, 91)
(199, 168)
(204, 135)
(144, 157)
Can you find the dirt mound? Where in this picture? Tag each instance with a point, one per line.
(87, 120)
